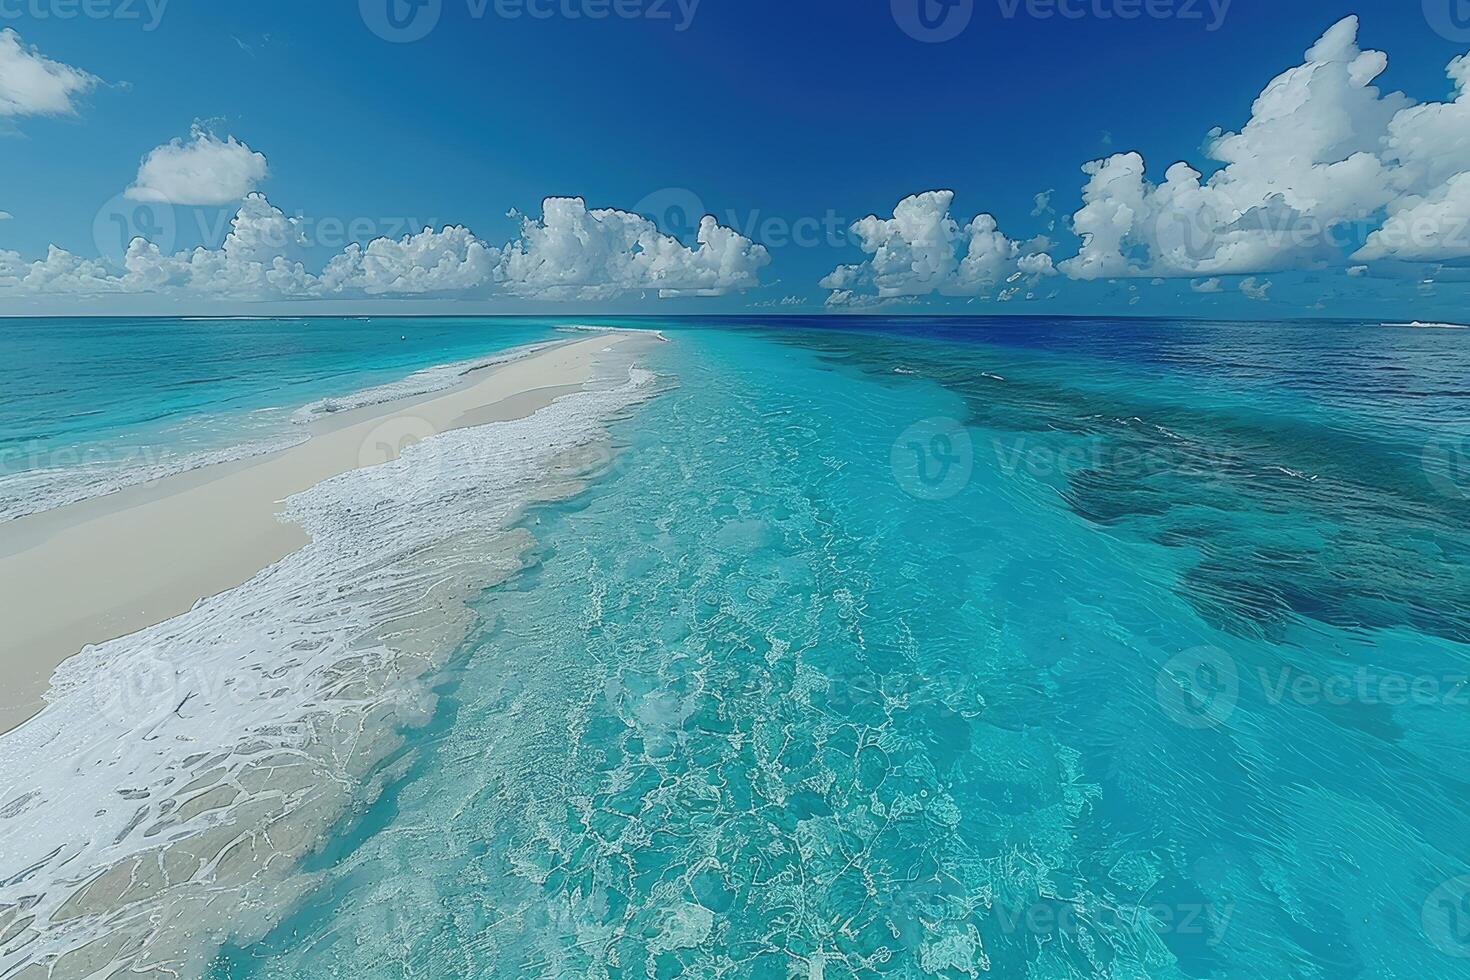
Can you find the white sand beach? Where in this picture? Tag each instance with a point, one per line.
(110, 566)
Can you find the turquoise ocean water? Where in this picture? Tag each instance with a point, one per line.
(921, 648)
(90, 404)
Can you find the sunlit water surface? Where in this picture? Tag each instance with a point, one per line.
(914, 648)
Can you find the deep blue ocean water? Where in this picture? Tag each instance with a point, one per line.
(907, 647)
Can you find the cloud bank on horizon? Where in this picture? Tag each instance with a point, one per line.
(1328, 172)
(570, 252)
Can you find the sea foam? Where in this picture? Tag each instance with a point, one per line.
(161, 803)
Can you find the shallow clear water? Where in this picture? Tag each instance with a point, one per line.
(916, 648)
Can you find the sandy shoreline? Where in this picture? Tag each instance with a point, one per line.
(110, 566)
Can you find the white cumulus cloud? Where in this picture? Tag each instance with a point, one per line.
(923, 250)
(1328, 171)
(449, 261)
(568, 253)
(1325, 159)
(203, 169)
(255, 261)
(573, 253)
(33, 85)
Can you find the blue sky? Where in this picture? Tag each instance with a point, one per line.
(780, 119)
